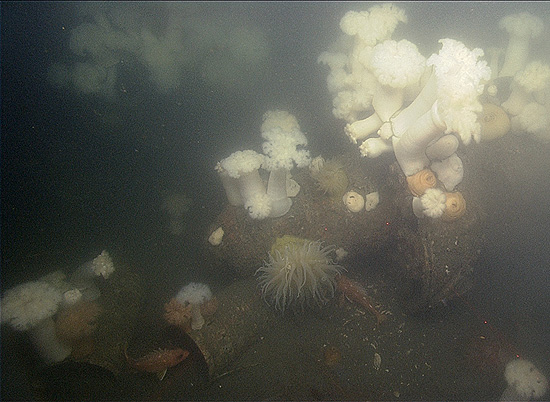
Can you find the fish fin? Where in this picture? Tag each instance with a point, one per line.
(124, 347)
(161, 374)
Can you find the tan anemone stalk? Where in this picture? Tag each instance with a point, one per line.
(75, 326)
(455, 206)
(419, 182)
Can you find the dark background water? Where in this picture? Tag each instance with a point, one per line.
(80, 173)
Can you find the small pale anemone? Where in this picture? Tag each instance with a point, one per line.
(353, 201)
(372, 200)
(494, 122)
(331, 178)
(298, 274)
(216, 237)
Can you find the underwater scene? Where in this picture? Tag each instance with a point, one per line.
(275, 201)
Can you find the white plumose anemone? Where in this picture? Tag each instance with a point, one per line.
(195, 294)
(299, 275)
(243, 166)
(103, 265)
(283, 149)
(431, 203)
(29, 307)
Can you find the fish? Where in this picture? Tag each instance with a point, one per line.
(357, 294)
(157, 361)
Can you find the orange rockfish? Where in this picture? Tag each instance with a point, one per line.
(357, 294)
(157, 361)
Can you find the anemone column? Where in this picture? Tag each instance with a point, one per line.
(276, 190)
(410, 149)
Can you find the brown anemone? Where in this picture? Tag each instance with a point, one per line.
(419, 182)
(77, 321)
(76, 325)
(455, 206)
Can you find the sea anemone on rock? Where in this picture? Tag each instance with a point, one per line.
(455, 206)
(84, 277)
(72, 296)
(432, 203)
(449, 171)
(331, 178)
(419, 182)
(216, 237)
(298, 274)
(30, 307)
(372, 200)
(100, 266)
(494, 122)
(195, 294)
(353, 201)
(178, 314)
(525, 382)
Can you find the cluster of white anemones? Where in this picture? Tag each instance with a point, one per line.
(283, 150)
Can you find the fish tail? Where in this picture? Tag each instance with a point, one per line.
(124, 347)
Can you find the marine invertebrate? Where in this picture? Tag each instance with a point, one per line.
(195, 294)
(244, 165)
(178, 314)
(431, 203)
(455, 206)
(375, 146)
(534, 78)
(458, 82)
(353, 201)
(216, 237)
(300, 273)
(372, 200)
(419, 182)
(30, 307)
(449, 171)
(283, 149)
(522, 28)
(396, 65)
(494, 122)
(331, 178)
